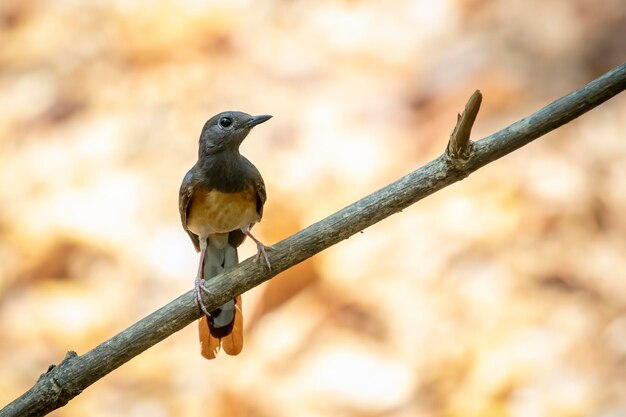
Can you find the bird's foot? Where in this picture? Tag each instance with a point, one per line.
(199, 287)
(261, 249)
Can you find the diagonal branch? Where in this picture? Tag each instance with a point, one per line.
(75, 373)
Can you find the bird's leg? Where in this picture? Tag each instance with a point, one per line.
(199, 284)
(260, 248)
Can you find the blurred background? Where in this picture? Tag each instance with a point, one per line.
(502, 295)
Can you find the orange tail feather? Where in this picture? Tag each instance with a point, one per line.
(231, 343)
(209, 345)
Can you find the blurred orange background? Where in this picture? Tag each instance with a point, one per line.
(503, 295)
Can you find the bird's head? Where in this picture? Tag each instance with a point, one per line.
(225, 131)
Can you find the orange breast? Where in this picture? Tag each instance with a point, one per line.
(213, 211)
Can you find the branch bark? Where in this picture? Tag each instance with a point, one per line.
(75, 373)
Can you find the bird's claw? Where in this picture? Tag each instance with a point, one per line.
(261, 249)
(199, 302)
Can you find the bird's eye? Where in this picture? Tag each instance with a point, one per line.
(226, 122)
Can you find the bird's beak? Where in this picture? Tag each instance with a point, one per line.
(257, 120)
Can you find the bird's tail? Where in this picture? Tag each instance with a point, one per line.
(224, 327)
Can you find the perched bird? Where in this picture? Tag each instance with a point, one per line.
(220, 199)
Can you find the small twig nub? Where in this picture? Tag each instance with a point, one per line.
(459, 145)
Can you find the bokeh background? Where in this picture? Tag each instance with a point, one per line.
(503, 295)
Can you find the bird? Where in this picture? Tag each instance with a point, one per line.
(220, 199)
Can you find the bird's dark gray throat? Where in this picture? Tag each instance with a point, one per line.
(227, 172)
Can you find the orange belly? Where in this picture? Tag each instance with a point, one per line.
(213, 211)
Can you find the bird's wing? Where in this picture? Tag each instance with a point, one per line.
(261, 196)
(255, 177)
(184, 198)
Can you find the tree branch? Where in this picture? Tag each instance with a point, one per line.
(75, 373)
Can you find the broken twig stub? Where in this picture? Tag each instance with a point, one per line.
(459, 146)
